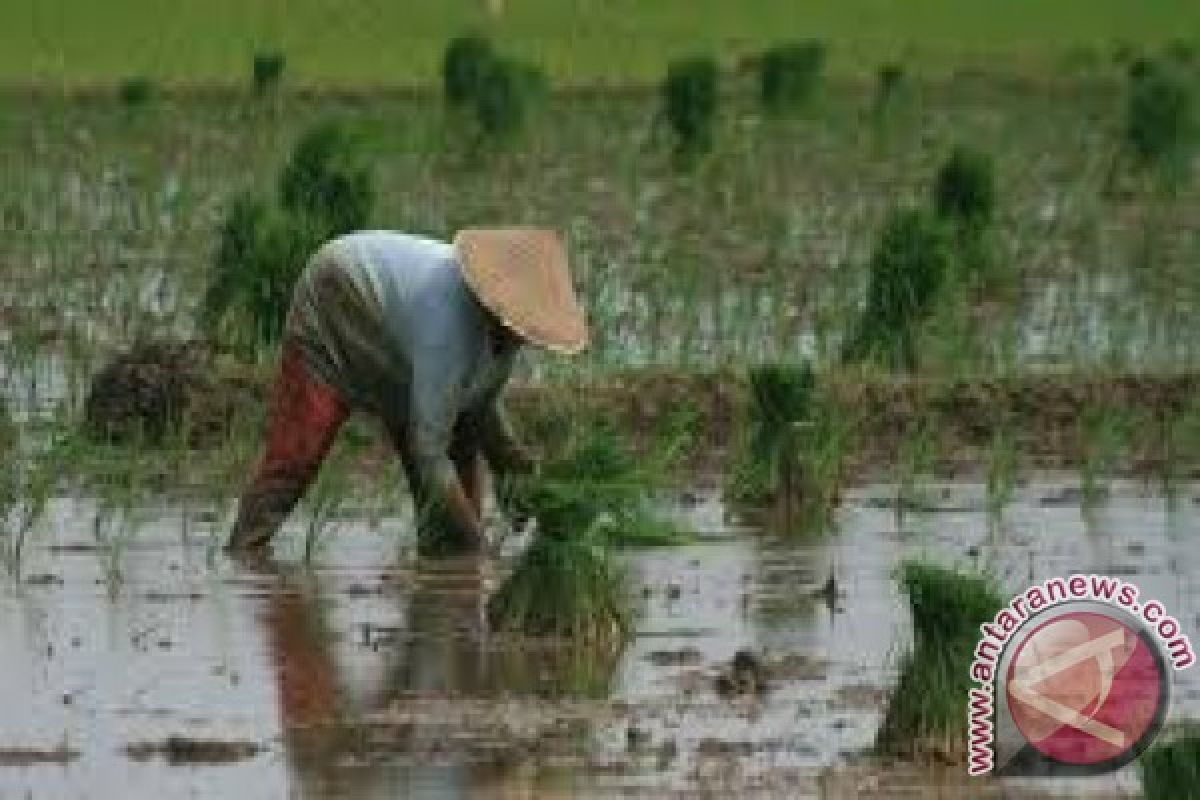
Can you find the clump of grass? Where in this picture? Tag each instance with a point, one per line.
(267, 70)
(325, 190)
(1168, 767)
(794, 446)
(690, 103)
(496, 90)
(789, 74)
(136, 92)
(926, 714)
(1161, 122)
(907, 271)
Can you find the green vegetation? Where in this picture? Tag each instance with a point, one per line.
(496, 90)
(926, 715)
(617, 40)
(690, 103)
(324, 190)
(789, 75)
(136, 92)
(1162, 126)
(592, 496)
(964, 191)
(596, 486)
(1171, 768)
(564, 585)
(794, 446)
(911, 263)
(267, 70)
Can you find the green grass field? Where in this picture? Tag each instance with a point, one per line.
(385, 42)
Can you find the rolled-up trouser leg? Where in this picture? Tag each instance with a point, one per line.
(304, 418)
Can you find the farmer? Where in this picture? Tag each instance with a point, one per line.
(421, 334)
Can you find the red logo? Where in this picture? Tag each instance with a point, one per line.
(1085, 688)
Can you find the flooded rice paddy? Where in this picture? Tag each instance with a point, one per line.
(151, 666)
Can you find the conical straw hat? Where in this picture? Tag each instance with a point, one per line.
(521, 276)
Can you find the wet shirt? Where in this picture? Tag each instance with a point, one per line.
(387, 319)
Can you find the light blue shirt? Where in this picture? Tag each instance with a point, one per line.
(387, 319)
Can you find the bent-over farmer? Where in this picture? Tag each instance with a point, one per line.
(422, 334)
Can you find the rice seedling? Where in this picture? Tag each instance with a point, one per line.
(136, 92)
(794, 446)
(690, 104)
(890, 82)
(1001, 470)
(325, 189)
(566, 582)
(1103, 432)
(964, 190)
(907, 272)
(267, 70)
(496, 89)
(926, 714)
(596, 485)
(1171, 769)
(1162, 127)
(789, 75)
(565, 585)
(465, 61)
(322, 501)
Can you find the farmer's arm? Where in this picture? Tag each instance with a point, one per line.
(438, 378)
(503, 451)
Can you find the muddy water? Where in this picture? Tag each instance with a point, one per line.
(373, 675)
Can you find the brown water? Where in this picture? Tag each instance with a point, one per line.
(372, 675)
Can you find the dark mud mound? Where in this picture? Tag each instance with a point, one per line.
(184, 750)
(159, 390)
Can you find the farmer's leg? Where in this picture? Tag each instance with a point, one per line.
(304, 418)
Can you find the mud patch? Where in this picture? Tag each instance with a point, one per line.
(160, 388)
(184, 750)
(33, 756)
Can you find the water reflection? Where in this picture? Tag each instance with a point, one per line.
(373, 734)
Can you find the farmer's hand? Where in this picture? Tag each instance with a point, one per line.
(512, 495)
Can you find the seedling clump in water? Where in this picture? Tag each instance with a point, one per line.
(907, 271)
(1168, 767)
(566, 583)
(325, 190)
(925, 715)
(793, 450)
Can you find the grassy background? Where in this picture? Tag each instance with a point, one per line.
(386, 42)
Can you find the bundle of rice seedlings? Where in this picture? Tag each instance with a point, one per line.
(1169, 767)
(794, 445)
(564, 586)
(567, 583)
(597, 486)
(926, 715)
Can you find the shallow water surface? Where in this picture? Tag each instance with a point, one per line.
(143, 664)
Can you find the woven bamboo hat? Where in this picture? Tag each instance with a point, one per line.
(521, 276)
